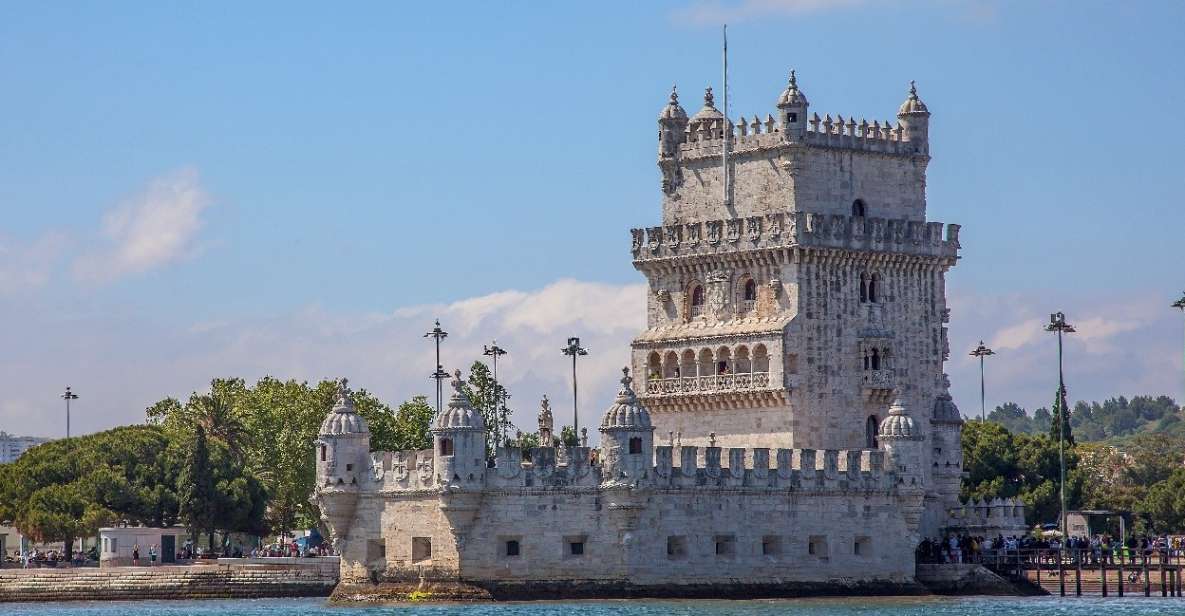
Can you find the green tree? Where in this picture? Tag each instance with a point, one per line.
(490, 398)
(1001, 464)
(196, 489)
(568, 437)
(1164, 507)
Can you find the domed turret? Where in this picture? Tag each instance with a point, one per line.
(915, 121)
(792, 106)
(459, 440)
(902, 440)
(343, 443)
(627, 438)
(672, 126)
(344, 418)
(899, 424)
(708, 121)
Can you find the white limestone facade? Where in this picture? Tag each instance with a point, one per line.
(790, 430)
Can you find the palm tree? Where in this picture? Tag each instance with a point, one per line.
(215, 413)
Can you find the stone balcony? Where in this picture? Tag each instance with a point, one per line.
(878, 385)
(708, 384)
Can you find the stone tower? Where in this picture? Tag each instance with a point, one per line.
(794, 311)
(343, 444)
(627, 439)
(459, 440)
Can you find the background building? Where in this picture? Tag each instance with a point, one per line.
(12, 446)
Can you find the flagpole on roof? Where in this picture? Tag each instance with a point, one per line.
(727, 133)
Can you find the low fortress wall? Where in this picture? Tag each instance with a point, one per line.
(215, 581)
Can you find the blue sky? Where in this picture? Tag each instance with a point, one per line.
(297, 189)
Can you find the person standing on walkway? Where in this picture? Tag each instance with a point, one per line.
(136, 555)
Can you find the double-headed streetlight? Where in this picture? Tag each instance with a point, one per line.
(574, 350)
(68, 396)
(1057, 323)
(494, 351)
(981, 352)
(439, 375)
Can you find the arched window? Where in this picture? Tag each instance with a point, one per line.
(858, 208)
(446, 446)
(872, 287)
(654, 366)
(635, 444)
(870, 429)
(750, 290)
(688, 368)
(876, 359)
(697, 300)
(670, 367)
(863, 288)
(724, 361)
(760, 359)
(867, 361)
(744, 365)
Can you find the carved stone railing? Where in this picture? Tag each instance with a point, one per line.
(785, 229)
(878, 379)
(707, 384)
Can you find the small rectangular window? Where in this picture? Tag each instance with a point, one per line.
(793, 116)
(863, 546)
(676, 547)
(349, 467)
(421, 549)
(771, 545)
(114, 545)
(322, 453)
(576, 548)
(512, 548)
(817, 546)
(726, 546)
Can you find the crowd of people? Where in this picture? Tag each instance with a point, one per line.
(1098, 549)
(151, 555)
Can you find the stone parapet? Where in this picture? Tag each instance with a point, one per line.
(794, 229)
(170, 582)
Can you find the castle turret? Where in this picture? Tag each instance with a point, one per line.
(627, 439)
(707, 123)
(915, 122)
(792, 107)
(343, 445)
(947, 433)
(904, 444)
(672, 126)
(459, 440)
(546, 423)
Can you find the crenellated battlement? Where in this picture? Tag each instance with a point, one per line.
(706, 139)
(791, 229)
(696, 467)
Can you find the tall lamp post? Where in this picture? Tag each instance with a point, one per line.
(494, 351)
(68, 396)
(1057, 323)
(1180, 304)
(575, 350)
(981, 352)
(439, 375)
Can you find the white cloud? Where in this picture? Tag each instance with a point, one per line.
(150, 230)
(29, 265)
(121, 365)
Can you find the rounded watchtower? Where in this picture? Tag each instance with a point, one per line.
(459, 442)
(343, 443)
(627, 438)
(672, 126)
(904, 444)
(915, 121)
(792, 106)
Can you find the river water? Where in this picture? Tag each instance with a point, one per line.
(924, 606)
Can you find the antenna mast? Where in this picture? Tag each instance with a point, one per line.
(727, 129)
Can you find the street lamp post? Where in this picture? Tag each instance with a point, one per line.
(1057, 323)
(981, 352)
(1180, 304)
(494, 351)
(439, 375)
(68, 396)
(575, 350)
